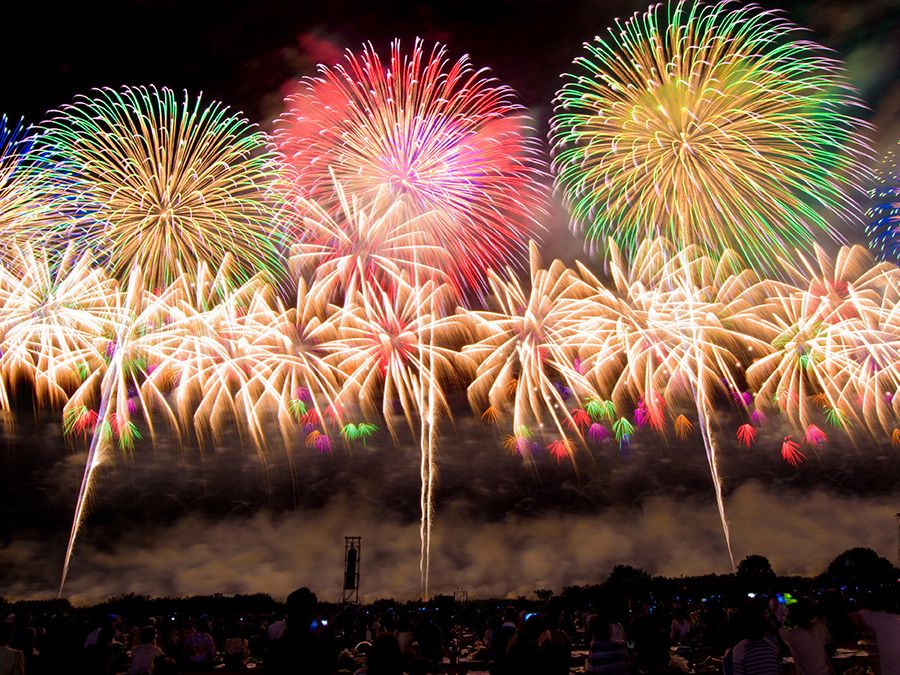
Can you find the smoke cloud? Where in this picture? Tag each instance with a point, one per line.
(276, 552)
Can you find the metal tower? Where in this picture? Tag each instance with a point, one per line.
(352, 550)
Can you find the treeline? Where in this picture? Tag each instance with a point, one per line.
(856, 573)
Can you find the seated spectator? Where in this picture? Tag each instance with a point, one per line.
(385, 657)
(757, 653)
(306, 647)
(145, 655)
(236, 647)
(102, 657)
(12, 661)
(199, 649)
(681, 626)
(606, 655)
(556, 650)
(806, 638)
(276, 629)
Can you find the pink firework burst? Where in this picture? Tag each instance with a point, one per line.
(640, 415)
(757, 418)
(746, 435)
(790, 452)
(598, 433)
(814, 435)
(323, 444)
(439, 135)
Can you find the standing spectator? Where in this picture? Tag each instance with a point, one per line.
(807, 639)
(524, 647)
(500, 641)
(680, 629)
(404, 635)
(12, 661)
(556, 650)
(306, 647)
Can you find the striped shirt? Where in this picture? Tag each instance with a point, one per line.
(609, 658)
(756, 657)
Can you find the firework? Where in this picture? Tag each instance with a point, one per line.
(399, 349)
(835, 344)
(27, 207)
(682, 332)
(440, 136)
(53, 317)
(883, 228)
(525, 351)
(139, 348)
(708, 124)
(364, 248)
(160, 183)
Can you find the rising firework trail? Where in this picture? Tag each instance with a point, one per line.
(400, 350)
(142, 338)
(683, 332)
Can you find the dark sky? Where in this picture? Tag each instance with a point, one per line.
(244, 51)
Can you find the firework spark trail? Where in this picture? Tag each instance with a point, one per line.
(439, 136)
(141, 351)
(715, 125)
(712, 457)
(95, 458)
(524, 347)
(681, 332)
(115, 388)
(30, 206)
(402, 347)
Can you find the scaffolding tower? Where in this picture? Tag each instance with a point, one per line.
(352, 550)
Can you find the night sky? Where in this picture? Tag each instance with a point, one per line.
(173, 521)
(245, 52)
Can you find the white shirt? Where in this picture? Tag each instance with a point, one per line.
(143, 658)
(886, 629)
(808, 648)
